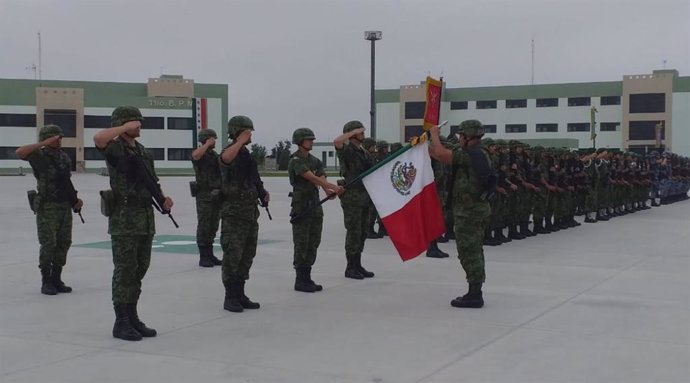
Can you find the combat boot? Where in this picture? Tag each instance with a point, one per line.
(204, 260)
(548, 225)
(60, 286)
(47, 286)
(450, 234)
(473, 298)
(442, 239)
(572, 222)
(232, 300)
(372, 234)
(655, 202)
(307, 274)
(513, 233)
(122, 328)
(301, 282)
(590, 217)
(524, 229)
(489, 240)
(244, 299)
(539, 227)
(382, 230)
(138, 325)
(601, 215)
(434, 252)
(498, 233)
(351, 270)
(365, 273)
(212, 257)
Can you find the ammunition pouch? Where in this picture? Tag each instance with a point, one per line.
(193, 188)
(107, 202)
(33, 200)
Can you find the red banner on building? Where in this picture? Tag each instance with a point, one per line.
(432, 111)
(199, 113)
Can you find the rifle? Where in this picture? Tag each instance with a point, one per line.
(157, 197)
(265, 206)
(302, 214)
(68, 193)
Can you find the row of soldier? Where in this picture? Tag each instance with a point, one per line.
(532, 183)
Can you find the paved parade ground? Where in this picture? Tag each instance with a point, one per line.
(603, 302)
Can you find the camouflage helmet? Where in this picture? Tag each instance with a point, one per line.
(396, 146)
(302, 134)
(382, 144)
(49, 131)
(123, 114)
(352, 125)
(368, 142)
(205, 134)
(488, 141)
(501, 143)
(514, 143)
(237, 124)
(471, 128)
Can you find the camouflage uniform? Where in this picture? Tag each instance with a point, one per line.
(354, 160)
(239, 233)
(53, 207)
(208, 204)
(306, 233)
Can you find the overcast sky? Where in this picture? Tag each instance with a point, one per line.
(305, 63)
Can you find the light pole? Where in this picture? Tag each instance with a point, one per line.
(372, 36)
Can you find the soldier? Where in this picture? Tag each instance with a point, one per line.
(306, 175)
(206, 189)
(354, 160)
(131, 223)
(472, 184)
(56, 197)
(382, 151)
(242, 187)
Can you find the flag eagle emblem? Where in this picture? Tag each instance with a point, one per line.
(403, 176)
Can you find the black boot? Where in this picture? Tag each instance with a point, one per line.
(317, 287)
(442, 239)
(513, 233)
(232, 300)
(212, 257)
(60, 286)
(122, 328)
(450, 234)
(351, 271)
(434, 252)
(204, 260)
(382, 229)
(301, 282)
(138, 325)
(524, 229)
(47, 286)
(548, 225)
(244, 299)
(489, 240)
(498, 233)
(473, 298)
(365, 273)
(372, 234)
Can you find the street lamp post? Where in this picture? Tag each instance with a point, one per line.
(372, 36)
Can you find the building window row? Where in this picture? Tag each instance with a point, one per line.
(415, 109)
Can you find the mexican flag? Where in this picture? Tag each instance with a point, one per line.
(404, 192)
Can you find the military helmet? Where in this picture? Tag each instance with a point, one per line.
(368, 142)
(352, 125)
(237, 124)
(501, 143)
(49, 131)
(381, 144)
(123, 114)
(471, 128)
(302, 134)
(488, 141)
(205, 134)
(514, 143)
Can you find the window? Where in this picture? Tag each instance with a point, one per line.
(456, 105)
(93, 154)
(158, 154)
(8, 152)
(648, 103)
(330, 153)
(610, 100)
(18, 120)
(547, 128)
(66, 119)
(516, 128)
(489, 128)
(645, 130)
(609, 126)
(579, 127)
(180, 154)
(547, 102)
(153, 123)
(181, 123)
(412, 131)
(579, 101)
(487, 104)
(72, 154)
(96, 122)
(520, 103)
(414, 109)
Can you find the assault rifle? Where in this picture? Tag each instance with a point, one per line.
(68, 193)
(149, 182)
